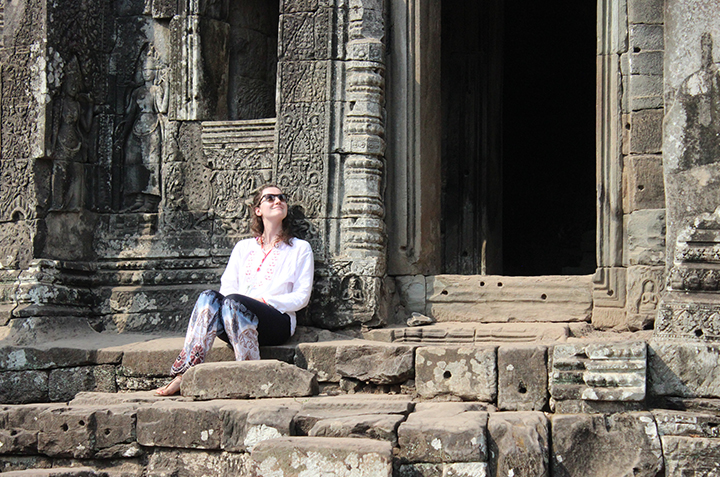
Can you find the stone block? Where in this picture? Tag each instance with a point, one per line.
(195, 463)
(18, 441)
(691, 456)
(522, 378)
(645, 286)
(519, 444)
(578, 406)
(646, 63)
(645, 231)
(25, 358)
(80, 471)
(420, 470)
(643, 183)
(378, 363)
(372, 426)
(21, 387)
(340, 457)
(687, 423)
(317, 410)
(493, 299)
(247, 379)
(646, 131)
(644, 92)
(469, 373)
(115, 425)
(645, 11)
(645, 36)
(599, 371)
(65, 383)
(188, 425)
(444, 432)
(318, 358)
(67, 432)
(245, 424)
(684, 369)
(612, 445)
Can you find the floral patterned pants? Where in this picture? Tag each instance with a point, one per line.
(213, 314)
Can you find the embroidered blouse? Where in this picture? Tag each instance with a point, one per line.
(282, 278)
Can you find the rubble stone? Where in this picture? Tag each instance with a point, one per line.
(379, 363)
(522, 378)
(687, 424)
(519, 444)
(247, 379)
(467, 372)
(341, 457)
(612, 445)
(444, 432)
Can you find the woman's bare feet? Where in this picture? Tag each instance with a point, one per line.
(171, 388)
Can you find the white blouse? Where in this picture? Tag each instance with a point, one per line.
(283, 277)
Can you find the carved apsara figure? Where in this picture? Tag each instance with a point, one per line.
(73, 116)
(143, 132)
(699, 96)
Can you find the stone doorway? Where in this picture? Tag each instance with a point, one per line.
(518, 144)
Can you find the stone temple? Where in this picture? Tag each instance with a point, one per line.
(510, 280)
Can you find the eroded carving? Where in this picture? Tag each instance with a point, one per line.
(143, 133)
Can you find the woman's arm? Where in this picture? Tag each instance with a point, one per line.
(229, 281)
(299, 297)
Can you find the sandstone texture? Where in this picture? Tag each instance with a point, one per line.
(469, 373)
(247, 379)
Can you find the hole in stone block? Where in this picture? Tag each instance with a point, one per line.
(641, 187)
(636, 49)
(64, 427)
(698, 333)
(610, 293)
(447, 375)
(81, 423)
(465, 253)
(482, 284)
(107, 432)
(627, 126)
(543, 296)
(352, 105)
(499, 284)
(521, 388)
(444, 292)
(13, 432)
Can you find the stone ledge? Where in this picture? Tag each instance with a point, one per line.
(247, 379)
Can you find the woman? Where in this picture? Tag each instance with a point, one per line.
(267, 279)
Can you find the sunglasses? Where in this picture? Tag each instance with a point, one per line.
(271, 198)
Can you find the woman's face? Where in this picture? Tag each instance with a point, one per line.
(271, 206)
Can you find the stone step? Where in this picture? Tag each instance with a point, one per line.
(141, 434)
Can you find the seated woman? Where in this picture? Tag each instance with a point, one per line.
(267, 279)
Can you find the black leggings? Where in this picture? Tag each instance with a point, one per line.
(273, 326)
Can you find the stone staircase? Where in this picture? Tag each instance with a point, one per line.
(451, 399)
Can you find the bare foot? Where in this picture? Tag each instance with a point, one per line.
(171, 388)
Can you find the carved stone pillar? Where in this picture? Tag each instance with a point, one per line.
(199, 71)
(690, 308)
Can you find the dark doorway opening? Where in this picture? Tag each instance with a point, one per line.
(518, 85)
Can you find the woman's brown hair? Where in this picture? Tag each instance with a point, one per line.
(257, 227)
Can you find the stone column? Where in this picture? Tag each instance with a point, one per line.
(331, 148)
(690, 308)
(199, 66)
